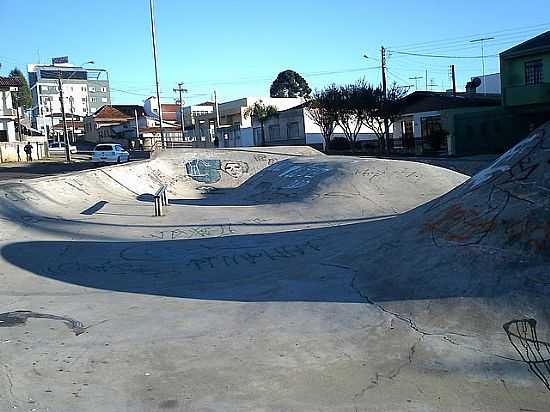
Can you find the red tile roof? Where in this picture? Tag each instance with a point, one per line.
(107, 113)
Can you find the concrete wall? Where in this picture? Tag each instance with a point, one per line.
(8, 151)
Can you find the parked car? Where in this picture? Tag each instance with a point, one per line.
(59, 148)
(110, 153)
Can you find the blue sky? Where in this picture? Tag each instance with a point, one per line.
(238, 46)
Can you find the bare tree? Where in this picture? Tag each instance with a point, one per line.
(353, 103)
(381, 108)
(322, 109)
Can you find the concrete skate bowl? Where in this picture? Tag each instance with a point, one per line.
(374, 288)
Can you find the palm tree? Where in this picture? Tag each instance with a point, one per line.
(261, 112)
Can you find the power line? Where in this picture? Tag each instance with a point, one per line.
(439, 56)
(465, 37)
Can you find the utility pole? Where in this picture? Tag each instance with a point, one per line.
(217, 124)
(137, 126)
(453, 78)
(51, 116)
(415, 78)
(66, 139)
(71, 100)
(181, 90)
(162, 142)
(384, 98)
(482, 41)
(426, 80)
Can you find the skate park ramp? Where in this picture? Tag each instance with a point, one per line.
(279, 279)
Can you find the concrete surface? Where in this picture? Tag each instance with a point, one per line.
(278, 280)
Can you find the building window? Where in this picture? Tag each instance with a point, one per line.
(533, 72)
(92, 89)
(274, 132)
(293, 130)
(430, 125)
(104, 99)
(104, 89)
(3, 135)
(93, 99)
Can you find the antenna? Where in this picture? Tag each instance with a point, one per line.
(482, 41)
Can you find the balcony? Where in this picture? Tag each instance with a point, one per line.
(7, 112)
(526, 94)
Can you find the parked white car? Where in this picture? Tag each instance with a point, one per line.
(59, 148)
(110, 153)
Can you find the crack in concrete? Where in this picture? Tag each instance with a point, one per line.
(13, 400)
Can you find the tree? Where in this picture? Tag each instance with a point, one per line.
(322, 109)
(380, 109)
(290, 84)
(261, 112)
(24, 98)
(353, 102)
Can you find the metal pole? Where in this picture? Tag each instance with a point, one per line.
(221, 141)
(180, 89)
(482, 41)
(66, 139)
(137, 126)
(51, 117)
(385, 92)
(453, 78)
(162, 142)
(71, 100)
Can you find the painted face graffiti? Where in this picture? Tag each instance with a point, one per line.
(235, 169)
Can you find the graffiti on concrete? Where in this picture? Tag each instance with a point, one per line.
(235, 169)
(210, 171)
(522, 334)
(300, 175)
(504, 206)
(204, 171)
(192, 232)
(19, 317)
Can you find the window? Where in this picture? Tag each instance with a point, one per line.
(293, 130)
(533, 72)
(104, 100)
(83, 88)
(93, 99)
(3, 135)
(84, 100)
(104, 89)
(430, 125)
(92, 89)
(274, 132)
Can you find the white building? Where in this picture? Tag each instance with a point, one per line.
(84, 92)
(8, 115)
(490, 84)
(235, 130)
(295, 126)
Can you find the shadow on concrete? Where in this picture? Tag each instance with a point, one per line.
(94, 208)
(284, 266)
(350, 263)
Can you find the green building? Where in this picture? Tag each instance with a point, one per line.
(525, 77)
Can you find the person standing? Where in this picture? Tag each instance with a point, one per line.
(28, 151)
(18, 154)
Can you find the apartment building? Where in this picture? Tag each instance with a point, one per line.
(85, 90)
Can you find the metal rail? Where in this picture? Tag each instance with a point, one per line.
(160, 200)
